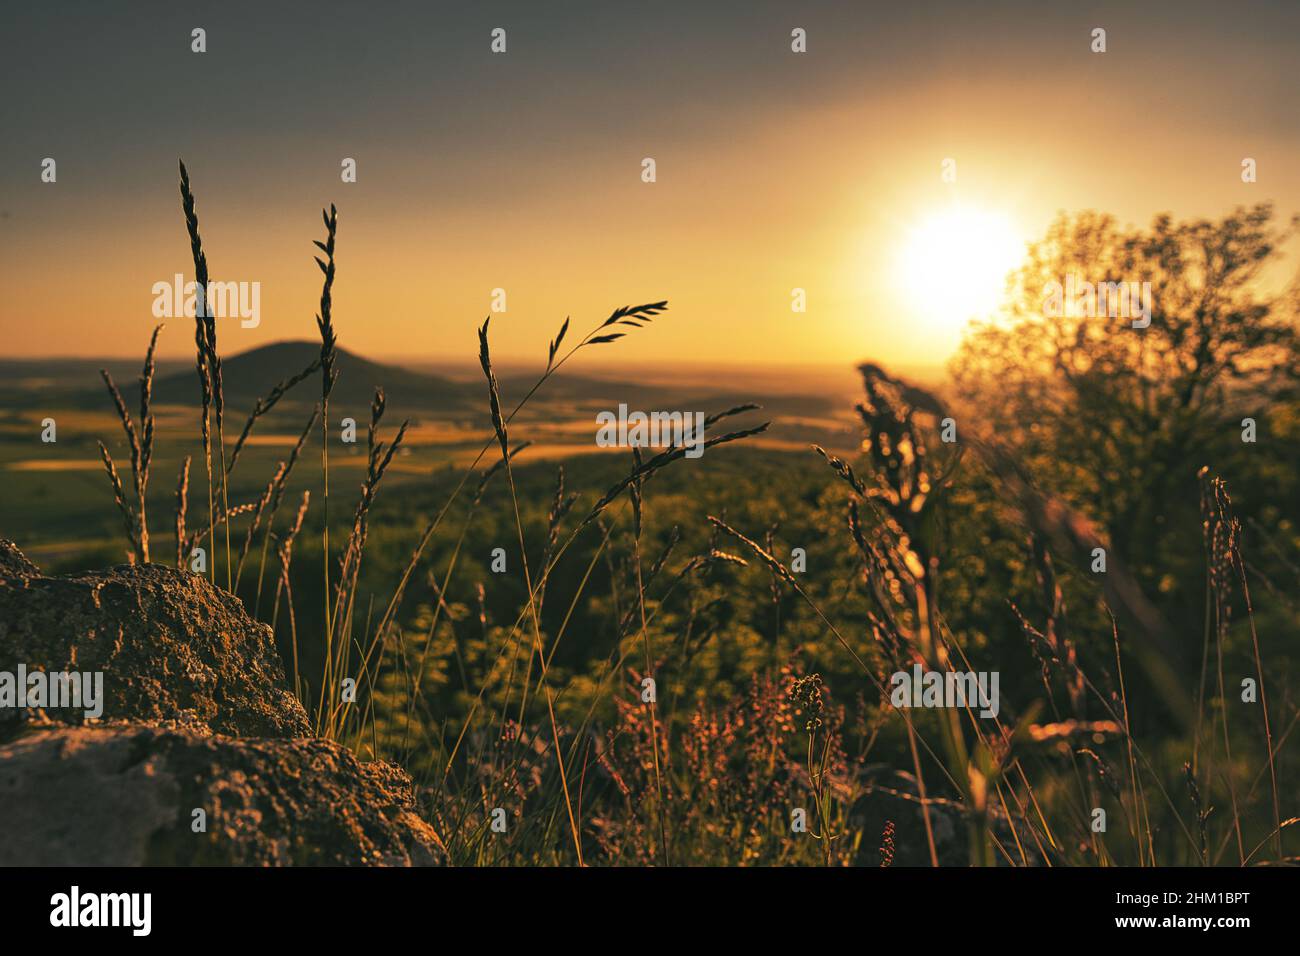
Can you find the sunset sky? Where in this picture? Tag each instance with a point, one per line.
(522, 171)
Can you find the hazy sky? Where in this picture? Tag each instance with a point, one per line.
(522, 170)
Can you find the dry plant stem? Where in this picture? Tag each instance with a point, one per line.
(954, 742)
(1263, 703)
(901, 498)
(559, 508)
(1011, 821)
(201, 342)
(451, 564)
(508, 642)
(1259, 777)
(264, 406)
(325, 324)
(1105, 704)
(225, 502)
(285, 550)
(1227, 749)
(916, 761)
(377, 464)
(1151, 770)
(608, 671)
(552, 366)
(1205, 659)
(981, 738)
(1277, 832)
(418, 681)
(119, 496)
(205, 430)
(974, 722)
(641, 472)
(206, 320)
(146, 441)
(199, 535)
(325, 545)
(256, 523)
(218, 408)
(920, 789)
(500, 429)
(275, 504)
(182, 504)
(817, 779)
(1128, 737)
(649, 660)
(610, 668)
(140, 442)
(379, 459)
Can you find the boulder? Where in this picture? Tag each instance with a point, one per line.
(201, 757)
(172, 648)
(126, 795)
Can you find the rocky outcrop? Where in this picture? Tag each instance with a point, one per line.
(202, 755)
(172, 648)
(130, 795)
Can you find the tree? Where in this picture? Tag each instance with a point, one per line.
(1119, 419)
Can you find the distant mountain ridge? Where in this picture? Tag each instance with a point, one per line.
(251, 375)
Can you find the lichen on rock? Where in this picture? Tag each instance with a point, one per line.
(171, 647)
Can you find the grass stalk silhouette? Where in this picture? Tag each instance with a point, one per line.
(499, 426)
(205, 345)
(328, 347)
(139, 440)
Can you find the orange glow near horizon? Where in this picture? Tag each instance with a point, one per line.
(774, 173)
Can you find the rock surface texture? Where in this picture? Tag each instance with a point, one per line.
(202, 755)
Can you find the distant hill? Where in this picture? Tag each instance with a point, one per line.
(250, 375)
(416, 392)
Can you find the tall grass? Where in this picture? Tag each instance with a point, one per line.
(140, 441)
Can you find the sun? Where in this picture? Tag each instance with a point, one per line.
(953, 264)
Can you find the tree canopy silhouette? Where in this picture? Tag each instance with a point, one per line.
(1117, 418)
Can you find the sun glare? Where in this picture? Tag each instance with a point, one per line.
(954, 264)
